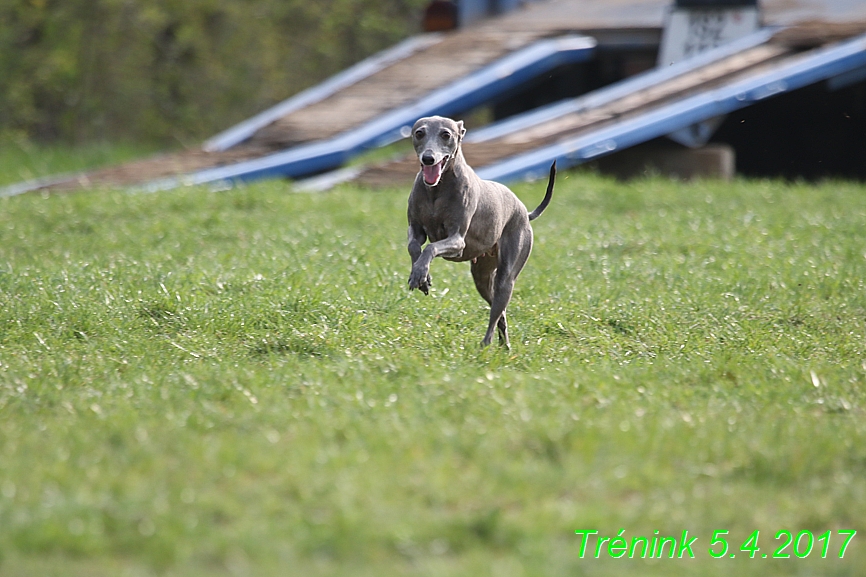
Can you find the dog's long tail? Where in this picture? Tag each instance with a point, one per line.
(537, 212)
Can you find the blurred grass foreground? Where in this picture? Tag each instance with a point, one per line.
(196, 383)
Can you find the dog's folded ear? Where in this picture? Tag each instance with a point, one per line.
(460, 130)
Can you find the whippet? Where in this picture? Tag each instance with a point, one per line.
(466, 218)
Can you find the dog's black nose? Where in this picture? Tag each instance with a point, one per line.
(427, 158)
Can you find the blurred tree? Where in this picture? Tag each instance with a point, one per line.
(175, 70)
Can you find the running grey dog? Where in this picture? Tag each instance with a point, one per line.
(466, 218)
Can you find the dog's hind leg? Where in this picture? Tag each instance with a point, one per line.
(513, 253)
(503, 287)
(484, 273)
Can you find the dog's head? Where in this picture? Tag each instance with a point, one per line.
(437, 141)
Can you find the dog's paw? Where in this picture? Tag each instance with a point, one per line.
(420, 280)
(424, 288)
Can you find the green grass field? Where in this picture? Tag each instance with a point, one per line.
(198, 383)
(21, 160)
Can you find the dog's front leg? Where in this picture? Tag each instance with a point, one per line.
(450, 247)
(417, 236)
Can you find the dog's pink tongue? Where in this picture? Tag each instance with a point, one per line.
(432, 173)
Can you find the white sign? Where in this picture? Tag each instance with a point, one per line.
(690, 31)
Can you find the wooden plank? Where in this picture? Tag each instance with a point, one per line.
(698, 79)
(459, 54)
(456, 56)
(479, 154)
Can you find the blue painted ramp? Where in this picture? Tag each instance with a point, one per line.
(360, 71)
(837, 63)
(463, 95)
(638, 109)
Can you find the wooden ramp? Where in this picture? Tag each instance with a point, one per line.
(649, 106)
(455, 56)
(434, 61)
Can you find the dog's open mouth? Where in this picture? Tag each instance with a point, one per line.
(433, 173)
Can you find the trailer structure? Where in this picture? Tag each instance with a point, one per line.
(569, 80)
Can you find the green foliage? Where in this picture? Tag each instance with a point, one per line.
(162, 70)
(238, 383)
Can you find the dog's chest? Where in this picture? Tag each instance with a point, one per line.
(440, 217)
(436, 230)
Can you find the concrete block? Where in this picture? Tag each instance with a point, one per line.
(710, 161)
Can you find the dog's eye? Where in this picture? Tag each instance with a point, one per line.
(446, 136)
(419, 133)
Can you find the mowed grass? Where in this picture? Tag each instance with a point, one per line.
(22, 160)
(199, 383)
